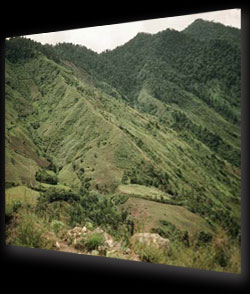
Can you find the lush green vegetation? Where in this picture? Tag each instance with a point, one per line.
(46, 177)
(145, 137)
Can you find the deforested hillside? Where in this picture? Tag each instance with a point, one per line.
(141, 139)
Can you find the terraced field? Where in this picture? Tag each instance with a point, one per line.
(150, 213)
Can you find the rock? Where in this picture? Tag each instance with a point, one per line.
(94, 252)
(127, 251)
(98, 231)
(151, 239)
(84, 230)
(76, 229)
(77, 232)
(102, 250)
(72, 233)
(57, 245)
(111, 253)
(109, 243)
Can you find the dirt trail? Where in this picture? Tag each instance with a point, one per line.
(64, 247)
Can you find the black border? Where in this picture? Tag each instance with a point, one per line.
(24, 266)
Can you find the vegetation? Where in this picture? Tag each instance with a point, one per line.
(94, 241)
(143, 138)
(46, 177)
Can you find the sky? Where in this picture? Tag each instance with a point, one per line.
(101, 38)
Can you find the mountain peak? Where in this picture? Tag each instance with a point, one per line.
(205, 30)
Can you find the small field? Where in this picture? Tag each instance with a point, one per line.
(142, 192)
(150, 213)
(19, 194)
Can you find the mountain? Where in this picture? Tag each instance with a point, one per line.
(156, 121)
(205, 30)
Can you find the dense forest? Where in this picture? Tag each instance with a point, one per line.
(144, 138)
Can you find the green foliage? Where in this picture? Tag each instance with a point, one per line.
(79, 55)
(29, 234)
(169, 231)
(197, 202)
(101, 211)
(45, 177)
(20, 49)
(151, 254)
(148, 175)
(94, 241)
(57, 226)
(205, 30)
(204, 238)
(51, 165)
(16, 205)
(213, 141)
(53, 195)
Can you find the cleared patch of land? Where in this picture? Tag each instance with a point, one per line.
(20, 194)
(143, 192)
(150, 213)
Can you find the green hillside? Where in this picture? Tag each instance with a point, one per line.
(152, 124)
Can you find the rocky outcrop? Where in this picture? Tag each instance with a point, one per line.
(74, 241)
(150, 239)
(109, 248)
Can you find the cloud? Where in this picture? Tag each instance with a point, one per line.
(110, 36)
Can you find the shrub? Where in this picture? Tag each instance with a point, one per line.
(168, 230)
(16, 205)
(221, 257)
(100, 211)
(53, 195)
(29, 234)
(151, 253)
(94, 241)
(10, 185)
(204, 238)
(57, 226)
(44, 177)
(185, 239)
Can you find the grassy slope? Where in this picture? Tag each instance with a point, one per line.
(20, 194)
(23, 157)
(84, 128)
(150, 213)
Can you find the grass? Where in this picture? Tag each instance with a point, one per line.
(150, 213)
(151, 254)
(28, 230)
(102, 169)
(221, 254)
(68, 177)
(151, 193)
(94, 241)
(20, 194)
(43, 187)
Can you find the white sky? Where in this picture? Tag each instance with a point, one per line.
(105, 37)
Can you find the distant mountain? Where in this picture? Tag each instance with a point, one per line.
(162, 111)
(206, 30)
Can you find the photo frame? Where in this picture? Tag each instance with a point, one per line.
(103, 264)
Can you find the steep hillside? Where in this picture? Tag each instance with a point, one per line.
(152, 125)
